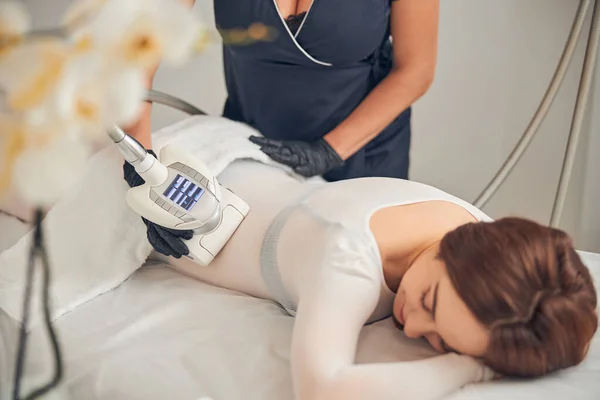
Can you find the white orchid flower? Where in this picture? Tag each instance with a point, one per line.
(142, 32)
(14, 17)
(50, 81)
(92, 95)
(12, 143)
(30, 72)
(81, 12)
(43, 174)
(57, 92)
(124, 95)
(18, 139)
(14, 22)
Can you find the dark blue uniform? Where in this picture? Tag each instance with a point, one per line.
(304, 83)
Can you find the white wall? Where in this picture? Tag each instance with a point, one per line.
(495, 61)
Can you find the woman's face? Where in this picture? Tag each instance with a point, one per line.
(428, 306)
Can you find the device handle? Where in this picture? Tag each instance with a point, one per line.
(152, 171)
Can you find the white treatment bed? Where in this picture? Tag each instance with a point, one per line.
(161, 335)
(153, 333)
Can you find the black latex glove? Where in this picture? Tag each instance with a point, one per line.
(164, 240)
(305, 158)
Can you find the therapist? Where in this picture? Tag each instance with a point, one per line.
(332, 94)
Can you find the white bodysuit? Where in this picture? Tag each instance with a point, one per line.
(308, 247)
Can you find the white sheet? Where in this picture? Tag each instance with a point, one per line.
(92, 224)
(162, 335)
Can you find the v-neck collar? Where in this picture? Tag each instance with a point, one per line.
(294, 37)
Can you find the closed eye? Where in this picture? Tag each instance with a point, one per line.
(423, 298)
(442, 345)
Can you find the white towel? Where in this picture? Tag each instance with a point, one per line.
(94, 239)
(216, 141)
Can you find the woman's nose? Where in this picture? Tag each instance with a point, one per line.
(417, 327)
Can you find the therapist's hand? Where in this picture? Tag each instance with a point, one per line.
(164, 240)
(305, 158)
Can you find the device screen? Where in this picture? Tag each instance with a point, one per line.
(183, 192)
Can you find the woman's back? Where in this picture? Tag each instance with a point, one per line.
(293, 228)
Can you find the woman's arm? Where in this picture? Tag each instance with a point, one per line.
(324, 344)
(330, 317)
(414, 29)
(142, 128)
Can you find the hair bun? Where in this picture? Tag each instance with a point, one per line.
(527, 284)
(540, 300)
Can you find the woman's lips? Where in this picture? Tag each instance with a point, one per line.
(401, 316)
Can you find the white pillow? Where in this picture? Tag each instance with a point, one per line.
(11, 229)
(93, 238)
(13, 204)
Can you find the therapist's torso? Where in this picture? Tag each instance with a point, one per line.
(302, 84)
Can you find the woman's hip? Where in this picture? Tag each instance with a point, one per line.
(266, 190)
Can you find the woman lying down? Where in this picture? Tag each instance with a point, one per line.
(507, 297)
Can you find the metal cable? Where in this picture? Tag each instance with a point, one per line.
(542, 110)
(172, 101)
(585, 84)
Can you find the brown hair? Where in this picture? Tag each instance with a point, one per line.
(525, 283)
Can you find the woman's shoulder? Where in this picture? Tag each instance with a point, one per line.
(374, 191)
(385, 184)
(381, 191)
